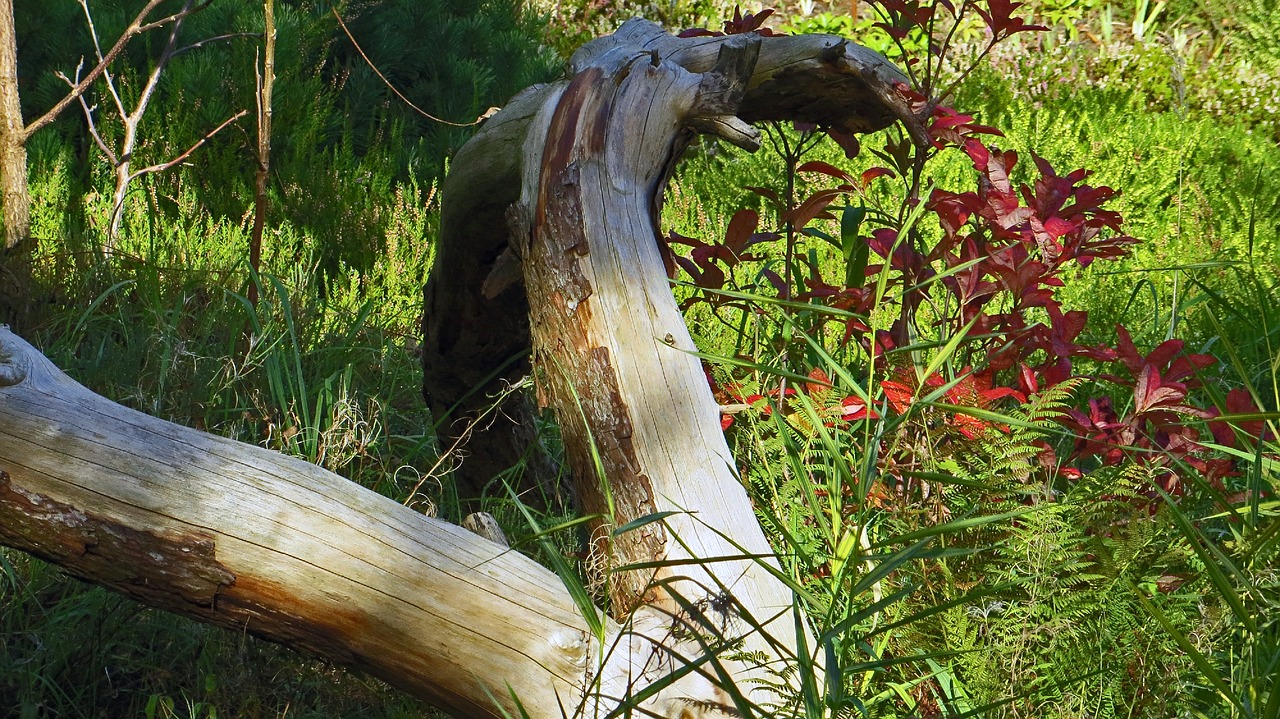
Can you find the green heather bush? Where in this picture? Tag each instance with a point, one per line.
(343, 139)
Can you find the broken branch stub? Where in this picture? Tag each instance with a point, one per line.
(476, 311)
(614, 358)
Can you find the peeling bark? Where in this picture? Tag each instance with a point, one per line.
(151, 567)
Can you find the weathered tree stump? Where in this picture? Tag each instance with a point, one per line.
(548, 250)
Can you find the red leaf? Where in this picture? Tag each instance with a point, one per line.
(1001, 21)
(970, 427)
(1238, 401)
(1057, 227)
(949, 121)
(826, 169)
(899, 395)
(750, 23)
(812, 207)
(821, 382)
(853, 408)
(988, 396)
(846, 140)
(1151, 392)
(765, 192)
(741, 226)
(776, 281)
(977, 152)
(1128, 353)
(874, 173)
(1164, 353)
(712, 278)
(689, 266)
(1027, 379)
(673, 236)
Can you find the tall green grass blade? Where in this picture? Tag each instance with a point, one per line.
(96, 303)
(582, 599)
(1214, 562)
(853, 246)
(948, 350)
(1202, 664)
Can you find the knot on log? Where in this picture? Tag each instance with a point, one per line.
(13, 363)
(483, 524)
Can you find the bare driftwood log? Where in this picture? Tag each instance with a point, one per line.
(556, 201)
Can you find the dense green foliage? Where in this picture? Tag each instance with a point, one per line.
(1045, 598)
(346, 144)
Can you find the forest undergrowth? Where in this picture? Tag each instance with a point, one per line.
(981, 529)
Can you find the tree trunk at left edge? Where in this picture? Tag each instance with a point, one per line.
(14, 195)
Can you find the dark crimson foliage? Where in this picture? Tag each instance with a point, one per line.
(996, 262)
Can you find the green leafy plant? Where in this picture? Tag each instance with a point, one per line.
(903, 362)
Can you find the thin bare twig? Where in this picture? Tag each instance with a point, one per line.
(217, 38)
(135, 28)
(153, 81)
(88, 114)
(177, 160)
(384, 79)
(97, 49)
(176, 16)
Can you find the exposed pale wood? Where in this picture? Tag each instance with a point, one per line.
(246, 538)
(640, 426)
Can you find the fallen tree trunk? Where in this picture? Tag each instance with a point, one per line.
(249, 539)
(549, 242)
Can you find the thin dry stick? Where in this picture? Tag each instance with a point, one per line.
(135, 28)
(166, 165)
(470, 427)
(384, 79)
(88, 116)
(216, 38)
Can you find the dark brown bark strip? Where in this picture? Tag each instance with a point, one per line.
(148, 566)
